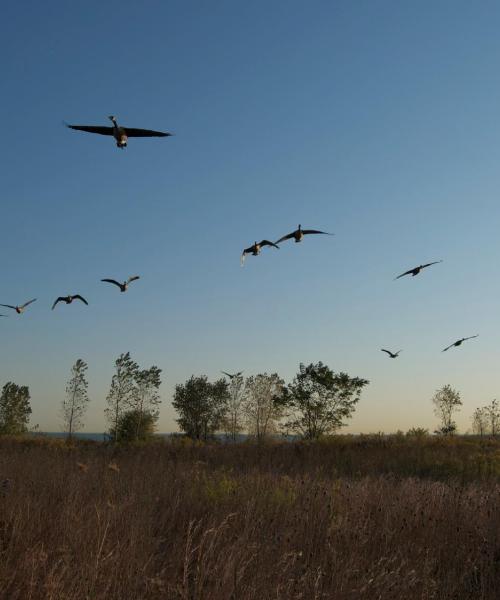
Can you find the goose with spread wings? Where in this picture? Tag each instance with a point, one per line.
(121, 134)
(123, 286)
(299, 233)
(20, 308)
(255, 249)
(391, 354)
(69, 300)
(233, 375)
(460, 342)
(416, 270)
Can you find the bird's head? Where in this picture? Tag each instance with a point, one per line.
(112, 118)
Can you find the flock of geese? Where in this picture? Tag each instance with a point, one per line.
(121, 135)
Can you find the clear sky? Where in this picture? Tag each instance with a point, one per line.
(376, 121)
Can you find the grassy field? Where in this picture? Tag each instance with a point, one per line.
(350, 518)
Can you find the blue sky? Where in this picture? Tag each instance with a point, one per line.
(377, 121)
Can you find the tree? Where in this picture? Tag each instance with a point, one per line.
(480, 421)
(319, 400)
(145, 399)
(446, 401)
(120, 396)
(262, 404)
(75, 403)
(134, 426)
(15, 409)
(201, 405)
(233, 419)
(492, 415)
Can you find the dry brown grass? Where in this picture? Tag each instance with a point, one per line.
(367, 518)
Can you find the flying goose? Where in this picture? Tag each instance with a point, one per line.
(299, 234)
(459, 342)
(121, 134)
(255, 249)
(123, 286)
(417, 270)
(391, 354)
(69, 300)
(19, 309)
(232, 376)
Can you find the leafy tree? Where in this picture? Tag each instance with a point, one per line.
(201, 405)
(446, 402)
(134, 425)
(120, 396)
(233, 420)
(262, 404)
(480, 421)
(319, 400)
(145, 399)
(75, 403)
(15, 409)
(492, 414)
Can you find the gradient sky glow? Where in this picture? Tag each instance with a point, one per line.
(377, 121)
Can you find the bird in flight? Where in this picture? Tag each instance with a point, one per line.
(460, 342)
(123, 286)
(69, 300)
(255, 249)
(21, 308)
(417, 270)
(121, 134)
(232, 376)
(391, 354)
(299, 233)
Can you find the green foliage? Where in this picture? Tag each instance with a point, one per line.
(201, 405)
(74, 405)
(15, 409)
(319, 400)
(120, 395)
(134, 426)
(262, 404)
(446, 402)
(145, 398)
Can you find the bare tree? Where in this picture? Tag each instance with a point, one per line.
(120, 396)
(446, 402)
(233, 419)
(262, 404)
(492, 414)
(74, 405)
(480, 421)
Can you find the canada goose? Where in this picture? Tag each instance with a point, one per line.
(123, 286)
(299, 234)
(239, 374)
(19, 309)
(392, 354)
(121, 134)
(459, 342)
(255, 249)
(69, 300)
(417, 270)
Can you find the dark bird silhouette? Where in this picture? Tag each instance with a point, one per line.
(4, 315)
(391, 354)
(121, 134)
(232, 376)
(299, 233)
(417, 270)
(69, 300)
(460, 342)
(255, 249)
(123, 286)
(20, 308)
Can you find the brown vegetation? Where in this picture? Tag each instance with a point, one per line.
(351, 518)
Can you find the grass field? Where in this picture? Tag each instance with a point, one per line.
(368, 517)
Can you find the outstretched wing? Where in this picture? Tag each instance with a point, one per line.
(387, 351)
(307, 231)
(131, 132)
(28, 303)
(227, 374)
(111, 281)
(403, 274)
(431, 263)
(289, 236)
(448, 347)
(78, 297)
(268, 243)
(8, 306)
(60, 299)
(92, 129)
(471, 337)
(133, 278)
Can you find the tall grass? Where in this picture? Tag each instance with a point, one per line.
(365, 518)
